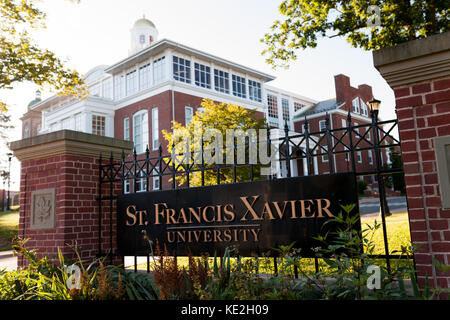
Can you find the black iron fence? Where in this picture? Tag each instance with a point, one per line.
(329, 150)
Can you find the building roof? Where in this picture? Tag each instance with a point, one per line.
(322, 106)
(143, 23)
(164, 44)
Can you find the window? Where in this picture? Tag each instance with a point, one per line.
(141, 182)
(126, 186)
(66, 124)
(298, 106)
(322, 125)
(26, 131)
(364, 109)
(98, 125)
(142, 38)
(359, 156)
(254, 91)
(272, 106)
(140, 131)
(188, 113)
(202, 75)
(132, 82)
(156, 179)
(370, 156)
(107, 89)
(126, 129)
(54, 127)
(238, 86)
(159, 70)
(155, 129)
(78, 122)
(221, 81)
(285, 109)
(144, 77)
(347, 158)
(344, 123)
(355, 105)
(95, 90)
(155, 183)
(119, 87)
(181, 69)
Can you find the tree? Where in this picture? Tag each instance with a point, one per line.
(22, 60)
(214, 123)
(369, 24)
(398, 179)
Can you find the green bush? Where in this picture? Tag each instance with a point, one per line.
(362, 186)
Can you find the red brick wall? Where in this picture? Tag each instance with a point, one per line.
(423, 110)
(75, 179)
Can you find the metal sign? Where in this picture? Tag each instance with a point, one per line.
(254, 217)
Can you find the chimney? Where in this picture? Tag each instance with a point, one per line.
(342, 86)
(366, 92)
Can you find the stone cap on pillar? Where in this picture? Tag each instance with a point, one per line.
(414, 61)
(69, 142)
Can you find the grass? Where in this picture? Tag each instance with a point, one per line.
(398, 235)
(9, 227)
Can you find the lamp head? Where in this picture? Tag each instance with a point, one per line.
(374, 105)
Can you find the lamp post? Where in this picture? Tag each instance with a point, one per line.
(374, 107)
(8, 203)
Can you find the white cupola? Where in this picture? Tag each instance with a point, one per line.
(143, 34)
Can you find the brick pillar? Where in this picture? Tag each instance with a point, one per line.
(419, 73)
(58, 191)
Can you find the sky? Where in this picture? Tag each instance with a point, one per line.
(95, 32)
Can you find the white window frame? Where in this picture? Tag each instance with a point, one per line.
(238, 86)
(272, 106)
(322, 125)
(104, 123)
(141, 182)
(140, 129)
(188, 114)
(222, 77)
(254, 90)
(369, 152)
(126, 128)
(285, 109)
(199, 73)
(363, 107)
(159, 70)
(155, 129)
(183, 67)
(359, 156)
(355, 105)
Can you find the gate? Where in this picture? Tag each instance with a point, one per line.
(297, 154)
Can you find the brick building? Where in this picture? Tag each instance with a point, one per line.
(164, 81)
(347, 101)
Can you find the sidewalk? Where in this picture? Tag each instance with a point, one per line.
(8, 261)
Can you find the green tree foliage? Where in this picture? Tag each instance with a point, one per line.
(23, 60)
(216, 118)
(398, 179)
(306, 20)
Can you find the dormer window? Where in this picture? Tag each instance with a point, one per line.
(355, 105)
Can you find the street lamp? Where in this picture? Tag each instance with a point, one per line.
(8, 207)
(375, 107)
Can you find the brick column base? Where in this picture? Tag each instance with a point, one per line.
(419, 73)
(58, 192)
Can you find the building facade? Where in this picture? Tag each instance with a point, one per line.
(163, 81)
